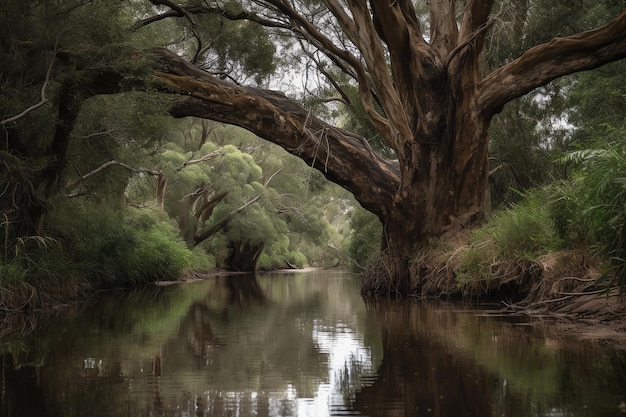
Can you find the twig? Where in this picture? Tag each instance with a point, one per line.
(583, 293)
(43, 100)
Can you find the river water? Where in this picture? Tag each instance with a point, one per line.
(297, 344)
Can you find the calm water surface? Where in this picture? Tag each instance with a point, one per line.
(301, 344)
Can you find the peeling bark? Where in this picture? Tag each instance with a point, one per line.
(436, 108)
(436, 113)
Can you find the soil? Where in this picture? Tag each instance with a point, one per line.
(563, 291)
(598, 316)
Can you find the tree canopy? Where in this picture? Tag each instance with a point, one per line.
(418, 82)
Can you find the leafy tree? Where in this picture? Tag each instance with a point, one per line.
(436, 106)
(120, 246)
(534, 130)
(225, 203)
(421, 78)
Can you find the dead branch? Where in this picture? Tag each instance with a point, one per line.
(198, 238)
(43, 100)
(73, 184)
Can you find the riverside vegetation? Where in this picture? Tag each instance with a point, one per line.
(117, 170)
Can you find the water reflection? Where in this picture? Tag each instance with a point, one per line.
(297, 345)
(442, 362)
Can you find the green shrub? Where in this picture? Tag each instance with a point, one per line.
(365, 238)
(33, 259)
(511, 237)
(201, 260)
(600, 182)
(269, 260)
(527, 229)
(121, 245)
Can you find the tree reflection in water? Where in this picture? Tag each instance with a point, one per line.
(442, 362)
(297, 345)
(419, 376)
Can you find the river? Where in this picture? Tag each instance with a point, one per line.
(297, 344)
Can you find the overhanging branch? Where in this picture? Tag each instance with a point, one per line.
(340, 155)
(77, 181)
(546, 62)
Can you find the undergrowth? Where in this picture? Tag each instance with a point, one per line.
(507, 256)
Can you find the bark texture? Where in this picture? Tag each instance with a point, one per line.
(436, 109)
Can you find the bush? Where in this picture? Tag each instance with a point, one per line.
(201, 260)
(521, 233)
(600, 182)
(527, 229)
(269, 260)
(121, 245)
(365, 238)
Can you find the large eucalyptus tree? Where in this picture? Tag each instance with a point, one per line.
(424, 87)
(419, 71)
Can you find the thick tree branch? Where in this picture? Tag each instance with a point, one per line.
(443, 28)
(544, 63)
(177, 8)
(273, 116)
(221, 223)
(301, 26)
(476, 14)
(364, 30)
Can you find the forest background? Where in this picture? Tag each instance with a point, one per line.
(145, 197)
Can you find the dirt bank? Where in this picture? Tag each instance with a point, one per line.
(564, 290)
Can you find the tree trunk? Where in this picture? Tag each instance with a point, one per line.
(435, 108)
(446, 193)
(244, 256)
(438, 116)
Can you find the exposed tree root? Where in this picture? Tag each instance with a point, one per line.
(565, 284)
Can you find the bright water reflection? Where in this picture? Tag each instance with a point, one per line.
(297, 345)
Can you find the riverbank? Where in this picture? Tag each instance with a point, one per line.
(563, 288)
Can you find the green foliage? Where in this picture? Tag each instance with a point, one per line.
(512, 237)
(533, 131)
(595, 101)
(291, 221)
(201, 260)
(365, 238)
(600, 184)
(280, 258)
(526, 230)
(120, 245)
(32, 260)
(238, 167)
(245, 45)
(520, 158)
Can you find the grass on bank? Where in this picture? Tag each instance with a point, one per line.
(92, 246)
(560, 239)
